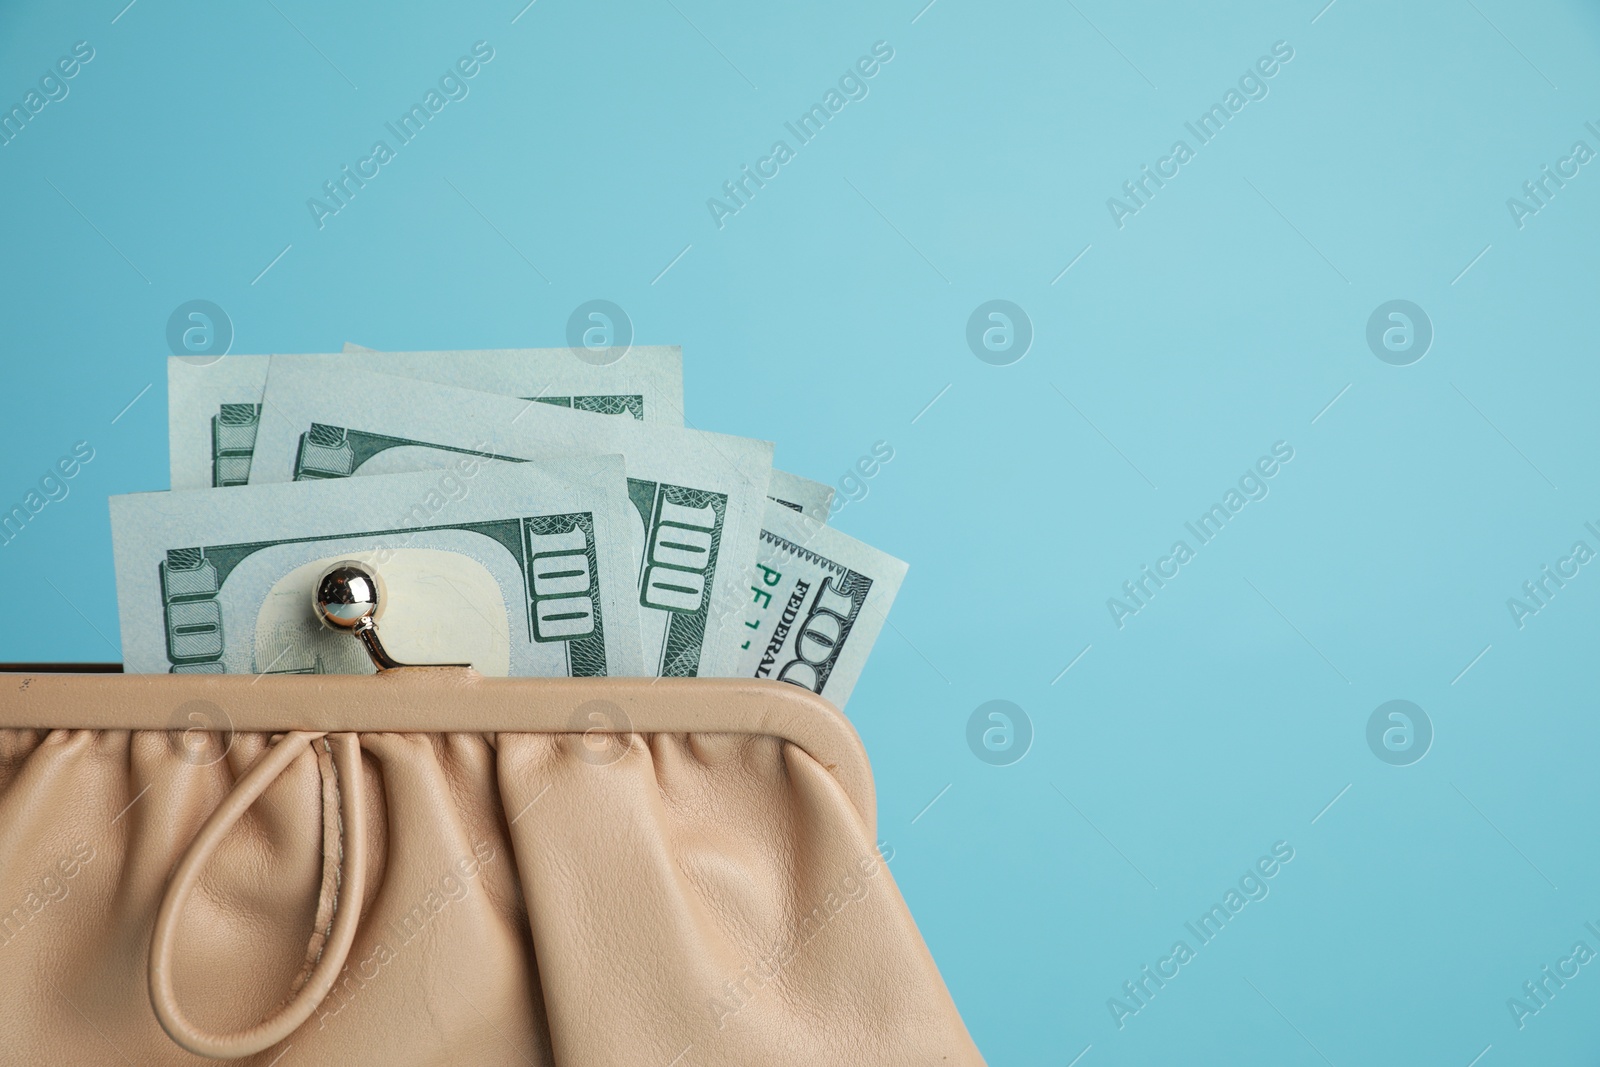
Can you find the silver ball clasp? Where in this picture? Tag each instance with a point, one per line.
(349, 597)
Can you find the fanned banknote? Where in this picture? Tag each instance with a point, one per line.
(214, 408)
(645, 381)
(517, 569)
(494, 375)
(801, 494)
(697, 497)
(816, 603)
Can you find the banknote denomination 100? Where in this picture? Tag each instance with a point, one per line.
(817, 602)
(516, 570)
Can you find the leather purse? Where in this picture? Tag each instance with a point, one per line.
(427, 866)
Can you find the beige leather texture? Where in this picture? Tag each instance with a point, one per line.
(430, 867)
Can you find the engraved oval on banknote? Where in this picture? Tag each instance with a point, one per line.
(599, 332)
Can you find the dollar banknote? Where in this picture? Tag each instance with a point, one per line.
(645, 381)
(697, 497)
(800, 494)
(516, 569)
(214, 408)
(815, 605)
(791, 490)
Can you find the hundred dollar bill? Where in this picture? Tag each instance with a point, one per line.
(790, 490)
(697, 497)
(645, 381)
(214, 409)
(815, 605)
(801, 494)
(515, 569)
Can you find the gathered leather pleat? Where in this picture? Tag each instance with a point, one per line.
(668, 900)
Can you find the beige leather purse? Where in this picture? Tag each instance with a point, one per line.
(431, 867)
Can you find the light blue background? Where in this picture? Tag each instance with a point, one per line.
(827, 314)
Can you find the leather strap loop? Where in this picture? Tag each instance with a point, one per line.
(347, 911)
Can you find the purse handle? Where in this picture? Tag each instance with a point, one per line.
(333, 708)
(346, 752)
